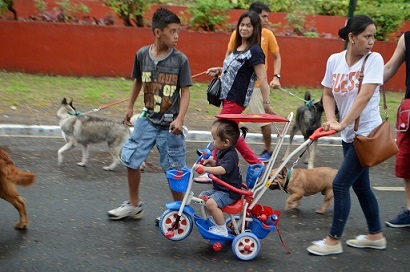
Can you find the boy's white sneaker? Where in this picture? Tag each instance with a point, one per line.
(127, 210)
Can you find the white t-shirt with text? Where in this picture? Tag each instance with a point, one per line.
(344, 82)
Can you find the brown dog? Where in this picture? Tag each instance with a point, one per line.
(9, 176)
(305, 182)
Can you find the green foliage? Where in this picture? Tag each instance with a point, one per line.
(3, 6)
(70, 10)
(332, 7)
(336, 7)
(41, 5)
(241, 4)
(311, 34)
(172, 2)
(129, 10)
(297, 25)
(290, 6)
(66, 11)
(281, 6)
(387, 15)
(296, 21)
(399, 6)
(209, 15)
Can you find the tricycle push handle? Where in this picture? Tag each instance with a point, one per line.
(321, 133)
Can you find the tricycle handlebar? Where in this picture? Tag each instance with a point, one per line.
(230, 187)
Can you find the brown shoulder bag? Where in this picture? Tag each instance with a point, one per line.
(380, 144)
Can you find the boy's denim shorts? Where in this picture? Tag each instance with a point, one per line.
(172, 149)
(221, 198)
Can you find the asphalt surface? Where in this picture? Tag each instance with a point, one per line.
(69, 229)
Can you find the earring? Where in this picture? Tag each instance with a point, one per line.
(353, 42)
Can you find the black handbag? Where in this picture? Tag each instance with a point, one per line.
(214, 92)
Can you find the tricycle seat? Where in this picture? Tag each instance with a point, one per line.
(234, 208)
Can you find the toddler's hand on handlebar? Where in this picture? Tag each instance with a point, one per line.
(199, 168)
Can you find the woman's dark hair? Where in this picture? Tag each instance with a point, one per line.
(356, 25)
(229, 130)
(163, 17)
(257, 30)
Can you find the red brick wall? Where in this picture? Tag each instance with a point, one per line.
(79, 50)
(109, 51)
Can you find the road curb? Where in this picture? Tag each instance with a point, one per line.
(194, 135)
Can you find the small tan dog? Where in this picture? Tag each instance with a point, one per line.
(10, 175)
(305, 182)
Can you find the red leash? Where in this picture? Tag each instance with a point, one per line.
(280, 237)
(204, 72)
(105, 106)
(121, 101)
(112, 104)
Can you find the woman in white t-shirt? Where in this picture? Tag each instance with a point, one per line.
(341, 83)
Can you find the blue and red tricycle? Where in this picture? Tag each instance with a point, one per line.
(248, 222)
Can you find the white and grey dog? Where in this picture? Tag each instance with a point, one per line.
(87, 129)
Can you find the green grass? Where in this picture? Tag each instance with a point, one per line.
(46, 92)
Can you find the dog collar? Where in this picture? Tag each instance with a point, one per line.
(77, 113)
(309, 103)
(285, 187)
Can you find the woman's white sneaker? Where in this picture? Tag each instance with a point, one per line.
(362, 241)
(321, 248)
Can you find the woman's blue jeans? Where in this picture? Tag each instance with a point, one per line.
(352, 174)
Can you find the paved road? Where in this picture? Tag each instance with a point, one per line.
(69, 230)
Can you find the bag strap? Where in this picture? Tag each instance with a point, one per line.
(356, 123)
(407, 62)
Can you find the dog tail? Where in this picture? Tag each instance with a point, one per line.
(9, 171)
(15, 175)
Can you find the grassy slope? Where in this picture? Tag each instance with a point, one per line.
(43, 94)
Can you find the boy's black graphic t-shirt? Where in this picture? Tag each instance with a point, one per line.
(162, 80)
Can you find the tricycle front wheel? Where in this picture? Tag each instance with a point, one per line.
(171, 229)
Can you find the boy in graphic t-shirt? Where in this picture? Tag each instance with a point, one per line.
(163, 74)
